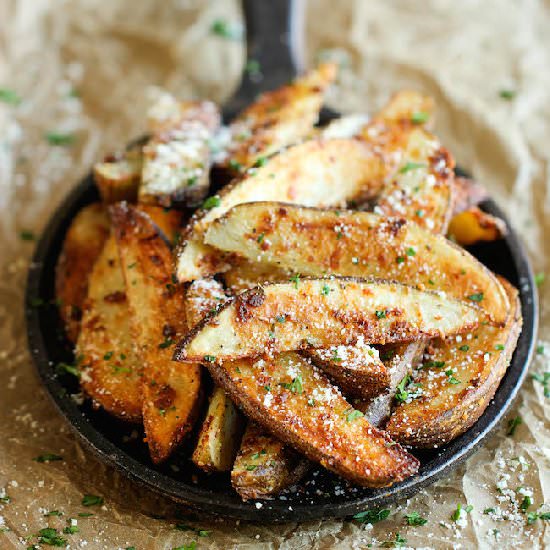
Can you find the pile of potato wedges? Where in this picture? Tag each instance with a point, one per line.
(318, 308)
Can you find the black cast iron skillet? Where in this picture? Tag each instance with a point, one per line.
(322, 494)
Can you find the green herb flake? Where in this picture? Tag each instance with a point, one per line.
(409, 166)
(296, 280)
(488, 511)
(420, 117)
(410, 251)
(372, 516)
(166, 344)
(235, 165)
(508, 95)
(59, 139)
(539, 279)
(325, 291)
(85, 515)
(27, 235)
(210, 358)
(71, 529)
(280, 318)
(464, 347)
(252, 67)
(513, 424)
(540, 349)
(211, 202)
(435, 364)
(192, 181)
(380, 314)
(353, 415)
(51, 537)
(260, 237)
(92, 500)
(251, 467)
(415, 519)
(400, 259)
(9, 96)
(398, 542)
(260, 161)
(296, 386)
(225, 29)
(525, 503)
(5, 499)
(499, 347)
(476, 297)
(48, 457)
(62, 368)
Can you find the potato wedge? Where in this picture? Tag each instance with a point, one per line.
(222, 428)
(473, 226)
(407, 106)
(110, 371)
(118, 176)
(171, 392)
(399, 360)
(297, 404)
(457, 379)
(176, 160)
(167, 220)
(265, 466)
(315, 173)
(278, 118)
(316, 242)
(318, 313)
(347, 126)
(244, 274)
(357, 370)
(82, 246)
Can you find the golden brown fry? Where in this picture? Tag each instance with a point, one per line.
(169, 221)
(81, 248)
(315, 242)
(171, 392)
(473, 225)
(297, 403)
(118, 176)
(265, 466)
(315, 173)
(457, 380)
(110, 370)
(318, 313)
(278, 118)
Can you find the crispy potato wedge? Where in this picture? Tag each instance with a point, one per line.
(118, 176)
(176, 160)
(399, 360)
(297, 404)
(473, 226)
(222, 428)
(315, 173)
(407, 106)
(467, 193)
(457, 378)
(265, 466)
(278, 118)
(82, 246)
(317, 242)
(318, 313)
(220, 434)
(110, 371)
(356, 370)
(171, 392)
(347, 126)
(167, 220)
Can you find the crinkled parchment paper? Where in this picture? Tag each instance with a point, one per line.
(84, 67)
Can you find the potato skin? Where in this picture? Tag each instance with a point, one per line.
(81, 248)
(447, 410)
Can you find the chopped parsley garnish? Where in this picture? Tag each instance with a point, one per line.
(409, 166)
(224, 29)
(353, 415)
(436, 364)
(335, 357)
(296, 280)
(58, 139)
(398, 542)
(489, 511)
(280, 318)
(410, 251)
(420, 213)
(62, 368)
(260, 237)
(458, 512)
(372, 516)
(211, 202)
(48, 457)
(325, 291)
(295, 386)
(251, 467)
(27, 235)
(513, 424)
(540, 349)
(235, 165)
(210, 358)
(400, 259)
(255, 456)
(5, 499)
(85, 515)
(401, 395)
(9, 96)
(544, 379)
(508, 95)
(71, 529)
(452, 380)
(252, 67)
(415, 519)
(192, 180)
(260, 161)
(92, 500)
(381, 314)
(166, 344)
(464, 347)
(51, 537)
(499, 347)
(53, 513)
(476, 297)
(539, 279)
(419, 117)
(525, 503)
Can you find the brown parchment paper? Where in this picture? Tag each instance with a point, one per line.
(108, 54)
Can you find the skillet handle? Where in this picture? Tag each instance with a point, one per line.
(274, 49)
